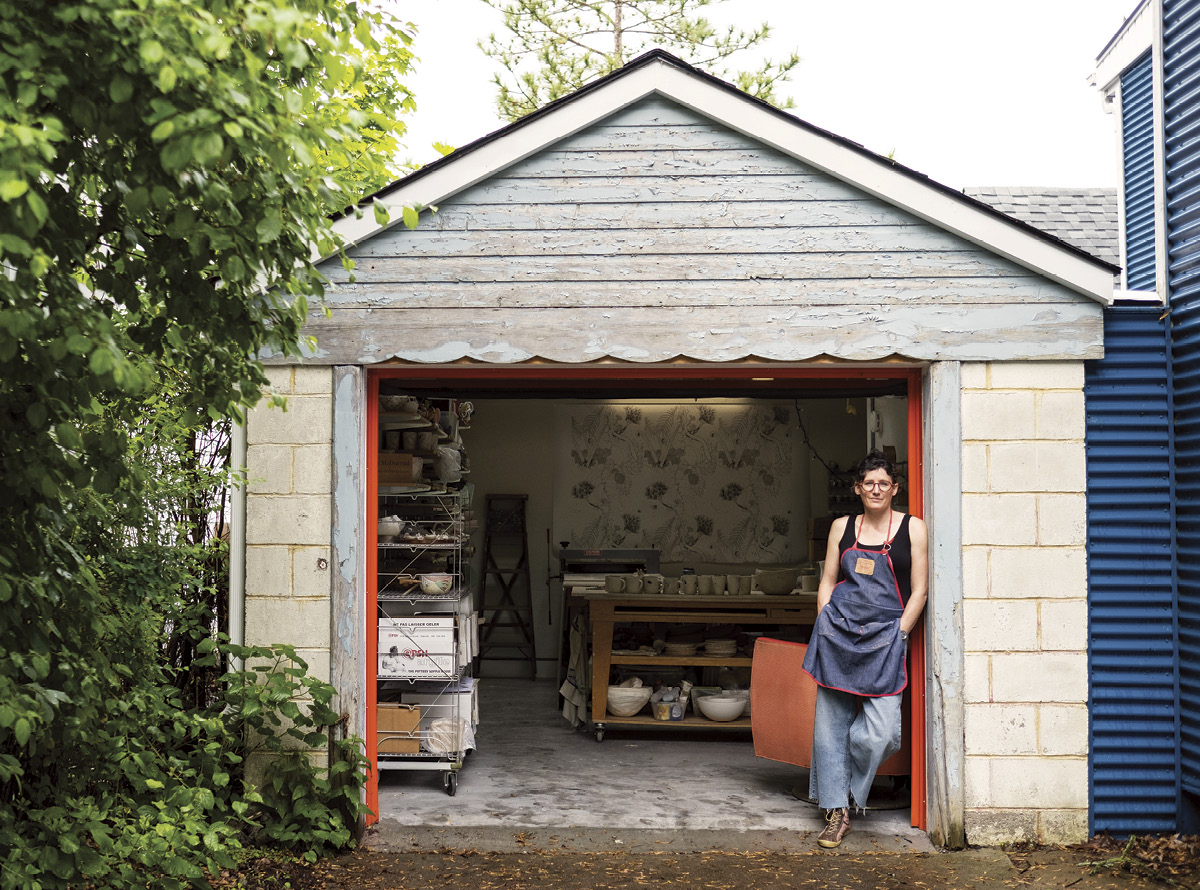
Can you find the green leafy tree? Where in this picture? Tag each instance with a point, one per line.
(553, 47)
(167, 169)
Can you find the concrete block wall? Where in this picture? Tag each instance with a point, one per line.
(1025, 602)
(289, 516)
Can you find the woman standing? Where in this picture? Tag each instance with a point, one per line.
(870, 598)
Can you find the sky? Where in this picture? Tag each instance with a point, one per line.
(968, 92)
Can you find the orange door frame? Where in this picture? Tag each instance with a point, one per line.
(625, 374)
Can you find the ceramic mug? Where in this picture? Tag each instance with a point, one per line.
(745, 585)
(654, 583)
(391, 440)
(809, 583)
(409, 441)
(633, 583)
(687, 585)
(704, 584)
(733, 584)
(718, 584)
(614, 583)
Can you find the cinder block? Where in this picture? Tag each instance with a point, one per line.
(975, 467)
(974, 375)
(976, 562)
(288, 519)
(1037, 466)
(312, 469)
(1063, 730)
(993, 828)
(977, 781)
(1037, 375)
(308, 420)
(312, 380)
(1064, 625)
(1062, 519)
(999, 519)
(1003, 730)
(303, 623)
(318, 662)
(1060, 415)
(1042, 572)
(1040, 677)
(1037, 783)
(268, 571)
(279, 378)
(1063, 826)
(997, 416)
(977, 678)
(1000, 625)
(269, 469)
(310, 572)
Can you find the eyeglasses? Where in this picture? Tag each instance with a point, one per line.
(875, 486)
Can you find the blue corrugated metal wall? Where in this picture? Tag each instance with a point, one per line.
(1181, 116)
(1137, 143)
(1134, 732)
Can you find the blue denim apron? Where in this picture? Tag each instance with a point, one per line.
(856, 645)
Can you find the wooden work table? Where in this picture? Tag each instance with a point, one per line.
(608, 609)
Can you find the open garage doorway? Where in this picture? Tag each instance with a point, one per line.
(518, 441)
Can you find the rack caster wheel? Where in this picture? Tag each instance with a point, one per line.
(450, 782)
(599, 735)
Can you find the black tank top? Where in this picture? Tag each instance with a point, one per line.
(901, 553)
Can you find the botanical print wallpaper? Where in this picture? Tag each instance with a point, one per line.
(700, 482)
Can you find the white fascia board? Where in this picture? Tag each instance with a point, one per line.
(877, 177)
(1126, 46)
(874, 175)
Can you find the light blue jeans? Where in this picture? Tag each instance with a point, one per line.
(849, 745)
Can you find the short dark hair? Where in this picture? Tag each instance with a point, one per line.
(875, 460)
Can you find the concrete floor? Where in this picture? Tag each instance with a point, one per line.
(535, 780)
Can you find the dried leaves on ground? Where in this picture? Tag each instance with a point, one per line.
(1100, 864)
(1173, 860)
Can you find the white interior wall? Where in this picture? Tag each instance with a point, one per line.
(512, 449)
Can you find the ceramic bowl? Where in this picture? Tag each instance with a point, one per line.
(435, 584)
(625, 702)
(721, 708)
(776, 581)
(389, 528)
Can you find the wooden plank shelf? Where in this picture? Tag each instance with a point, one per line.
(684, 660)
(690, 721)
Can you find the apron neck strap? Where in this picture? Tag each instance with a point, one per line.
(887, 541)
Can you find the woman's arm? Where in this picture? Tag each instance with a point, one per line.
(833, 560)
(918, 533)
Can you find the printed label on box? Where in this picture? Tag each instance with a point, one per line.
(418, 646)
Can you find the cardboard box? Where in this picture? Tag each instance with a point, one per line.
(398, 467)
(397, 728)
(418, 646)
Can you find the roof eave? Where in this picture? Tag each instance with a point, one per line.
(660, 73)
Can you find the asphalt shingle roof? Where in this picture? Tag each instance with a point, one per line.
(1083, 217)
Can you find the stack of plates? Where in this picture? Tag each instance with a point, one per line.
(679, 650)
(720, 648)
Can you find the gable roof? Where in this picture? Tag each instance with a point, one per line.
(659, 72)
(1085, 218)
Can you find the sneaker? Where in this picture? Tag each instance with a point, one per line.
(837, 823)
